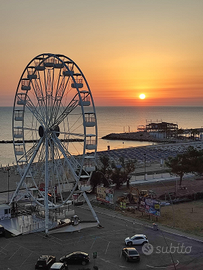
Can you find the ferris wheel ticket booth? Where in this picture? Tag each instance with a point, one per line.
(5, 211)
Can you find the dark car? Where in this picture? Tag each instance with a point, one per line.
(45, 262)
(77, 257)
(2, 231)
(131, 254)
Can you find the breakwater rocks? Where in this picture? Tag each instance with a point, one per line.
(134, 136)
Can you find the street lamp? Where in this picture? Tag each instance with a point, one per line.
(145, 167)
(8, 170)
(171, 202)
(109, 181)
(172, 259)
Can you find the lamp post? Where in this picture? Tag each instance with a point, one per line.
(145, 167)
(8, 170)
(171, 202)
(105, 177)
(172, 259)
(176, 187)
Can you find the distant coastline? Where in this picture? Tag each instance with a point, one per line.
(136, 136)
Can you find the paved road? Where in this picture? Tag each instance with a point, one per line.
(22, 252)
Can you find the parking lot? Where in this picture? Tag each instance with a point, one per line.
(22, 252)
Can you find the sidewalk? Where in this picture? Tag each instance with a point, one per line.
(158, 177)
(152, 173)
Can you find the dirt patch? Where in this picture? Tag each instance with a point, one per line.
(189, 186)
(185, 216)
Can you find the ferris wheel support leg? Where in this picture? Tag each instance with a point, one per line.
(26, 171)
(91, 208)
(46, 189)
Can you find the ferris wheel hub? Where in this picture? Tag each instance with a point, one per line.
(41, 131)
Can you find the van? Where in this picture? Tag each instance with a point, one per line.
(59, 266)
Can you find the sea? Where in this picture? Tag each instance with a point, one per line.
(112, 120)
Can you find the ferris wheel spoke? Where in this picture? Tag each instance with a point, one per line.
(36, 111)
(41, 154)
(61, 174)
(72, 160)
(62, 86)
(62, 83)
(72, 134)
(55, 157)
(73, 164)
(69, 108)
(37, 87)
(49, 94)
(59, 170)
(26, 170)
(29, 153)
(30, 129)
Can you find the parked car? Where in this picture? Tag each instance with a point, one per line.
(59, 266)
(131, 254)
(137, 239)
(45, 262)
(77, 257)
(2, 231)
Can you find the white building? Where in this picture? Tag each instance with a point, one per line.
(5, 211)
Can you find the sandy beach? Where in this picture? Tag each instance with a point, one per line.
(155, 155)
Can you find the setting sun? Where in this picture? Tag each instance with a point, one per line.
(142, 96)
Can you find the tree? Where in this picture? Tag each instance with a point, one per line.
(98, 178)
(105, 164)
(128, 167)
(195, 159)
(188, 162)
(177, 166)
(118, 172)
(102, 174)
(122, 170)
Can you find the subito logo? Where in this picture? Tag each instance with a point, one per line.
(147, 249)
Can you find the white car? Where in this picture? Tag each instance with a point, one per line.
(137, 239)
(59, 266)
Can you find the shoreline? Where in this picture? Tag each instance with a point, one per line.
(136, 136)
(144, 136)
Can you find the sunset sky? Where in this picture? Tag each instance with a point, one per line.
(124, 47)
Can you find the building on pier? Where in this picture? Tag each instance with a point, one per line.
(162, 130)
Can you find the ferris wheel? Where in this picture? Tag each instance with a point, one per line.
(54, 130)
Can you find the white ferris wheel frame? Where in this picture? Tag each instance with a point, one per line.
(45, 83)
